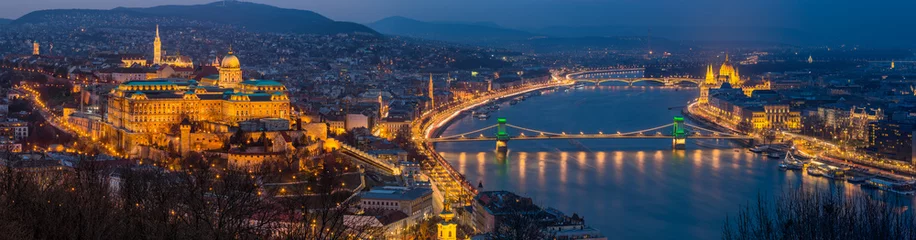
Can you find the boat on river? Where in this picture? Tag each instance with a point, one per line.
(482, 113)
(815, 171)
(791, 163)
(888, 185)
(835, 173)
(858, 179)
(776, 155)
(760, 149)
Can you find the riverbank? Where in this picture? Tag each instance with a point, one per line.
(699, 120)
(441, 173)
(692, 112)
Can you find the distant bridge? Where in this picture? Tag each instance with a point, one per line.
(678, 132)
(629, 76)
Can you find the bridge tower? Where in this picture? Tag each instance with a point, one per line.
(502, 137)
(680, 135)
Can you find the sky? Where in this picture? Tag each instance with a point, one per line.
(796, 14)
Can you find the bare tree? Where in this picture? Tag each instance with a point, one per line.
(322, 212)
(815, 215)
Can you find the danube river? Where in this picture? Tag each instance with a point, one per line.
(628, 189)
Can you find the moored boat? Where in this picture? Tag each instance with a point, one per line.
(776, 155)
(815, 171)
(857, 179)
(835, 174)
(760, 149)
(790, 163)
(905, 188)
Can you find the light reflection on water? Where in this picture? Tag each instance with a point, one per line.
(648, 191)
(675, 194)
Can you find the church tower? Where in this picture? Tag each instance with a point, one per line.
(35, 47)
(892, 64)
(185, 137)
(230, 71)
(382, 109)
(157, 48)
(447, 230)
(709, 82)
(432, 96)
(710, 76)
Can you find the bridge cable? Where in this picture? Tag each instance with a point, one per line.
(532, 130)
(467, 133)
(647, 130)
(712, 131)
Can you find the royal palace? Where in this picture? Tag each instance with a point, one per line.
(182, 115)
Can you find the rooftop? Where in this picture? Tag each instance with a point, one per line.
(396, 193)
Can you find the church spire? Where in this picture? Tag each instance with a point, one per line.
(726, 57)
(447, 230)
(157, 48)
(710, 75)
(432, 96)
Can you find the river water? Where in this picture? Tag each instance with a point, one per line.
(628, 189)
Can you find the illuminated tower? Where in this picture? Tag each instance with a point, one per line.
(447, 230)
(230, 71)
(185, 138)
(382, 109)
(892, 64)
(432, 97)
(709, 82)
(157, 48)
(35, 48)
(710, 76)
(810, 59)
(735, 79)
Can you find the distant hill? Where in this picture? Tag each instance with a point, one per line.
(446, 31)
(4, 21)
(550, 44)
(252, 16)
(694, 34)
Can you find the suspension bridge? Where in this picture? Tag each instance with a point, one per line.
(628, 76)
(678, 132)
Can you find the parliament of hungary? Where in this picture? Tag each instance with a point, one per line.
(248, 121)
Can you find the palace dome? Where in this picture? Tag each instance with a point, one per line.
(230, 61)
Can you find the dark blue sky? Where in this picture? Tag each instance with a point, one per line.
(809, 15)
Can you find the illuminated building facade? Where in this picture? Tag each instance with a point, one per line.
(892, 139)
(35, 48)
(754, 114)
(728, 97)
(142, 112)
(157, 105)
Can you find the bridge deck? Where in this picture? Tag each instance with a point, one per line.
(583, 136)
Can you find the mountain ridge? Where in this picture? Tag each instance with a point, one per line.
(448, 31)
(252, 16)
